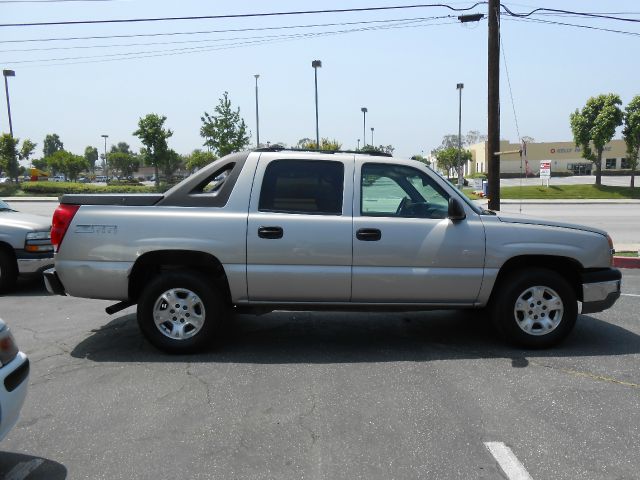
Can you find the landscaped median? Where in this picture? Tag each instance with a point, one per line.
(626, 260)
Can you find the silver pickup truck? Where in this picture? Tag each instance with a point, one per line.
(296, 230)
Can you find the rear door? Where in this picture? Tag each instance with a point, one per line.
(299, 230)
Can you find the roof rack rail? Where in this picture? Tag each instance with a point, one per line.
(279, 148)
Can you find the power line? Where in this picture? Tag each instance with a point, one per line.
(55, 1)
(162, 53)
(568, 12)
(243, 15)
(397, 20)
(576, 25)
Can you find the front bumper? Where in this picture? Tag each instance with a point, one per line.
(600, 289)
(29, 263)
(53, 283)
(14, 379)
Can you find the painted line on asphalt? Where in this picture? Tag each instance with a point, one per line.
(23, 469)
(629, 295)
(511, 466)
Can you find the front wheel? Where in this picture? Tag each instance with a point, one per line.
(535, 308)
(180, 312)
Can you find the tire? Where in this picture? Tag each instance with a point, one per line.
(8, 271)
(534, 308)
(180, 312)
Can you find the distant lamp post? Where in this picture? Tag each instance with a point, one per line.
(317, 64)
(257, 115)
(8, 73)
(460, 86)
(372, 144)
(106, 165)
(358, 145)
(364, 125)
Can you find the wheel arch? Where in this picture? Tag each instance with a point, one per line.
(569, 268)
(153, 263)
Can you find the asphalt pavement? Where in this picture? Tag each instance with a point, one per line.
(322, 396)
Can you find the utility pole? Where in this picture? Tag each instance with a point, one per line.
(257, 114)
(493, 128)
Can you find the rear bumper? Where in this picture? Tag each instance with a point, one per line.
(14, 379)
(53, 283)
(600, 289)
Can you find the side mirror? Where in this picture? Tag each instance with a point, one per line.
(456, 210)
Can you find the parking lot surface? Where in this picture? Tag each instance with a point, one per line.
(322, 396)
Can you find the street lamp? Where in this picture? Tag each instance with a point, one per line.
(106, 165)
(460, 86)
(364, 125)
(358, 145)
(317, 64)
(372, 144)
(8, 73)
(257, 116)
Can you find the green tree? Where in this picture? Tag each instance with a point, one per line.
(122, 147)
(67, 163)
(9, 156)
(27, 149)
(52, 144)
(199, 159)
(91, 156)
(325, 144)
(421, 158)
(631, 134)
(153, 136)
(173, 163)
(40, 164)
(226, 131)
(380, 148)
(447, 159)
(125, 164)
(595, 125)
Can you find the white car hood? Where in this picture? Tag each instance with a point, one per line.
(24, 221)
(518, 218)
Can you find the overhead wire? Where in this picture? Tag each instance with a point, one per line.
(565, 24)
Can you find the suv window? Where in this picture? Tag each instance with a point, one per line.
(303, 186)
(398, 191)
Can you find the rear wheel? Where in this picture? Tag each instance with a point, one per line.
(535, 308)
(180, 312)
(8, 271)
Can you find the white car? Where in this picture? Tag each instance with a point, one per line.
(14, 378)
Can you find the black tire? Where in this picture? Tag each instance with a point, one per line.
(534, 308)
(193, 321)
(8, 271)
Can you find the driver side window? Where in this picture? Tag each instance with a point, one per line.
(399, 191)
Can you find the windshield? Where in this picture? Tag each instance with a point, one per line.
(479, 210)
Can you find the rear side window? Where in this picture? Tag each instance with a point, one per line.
(303, 186)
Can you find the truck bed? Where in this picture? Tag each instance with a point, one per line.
(133, 199)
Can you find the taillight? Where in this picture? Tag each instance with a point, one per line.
(61, 220)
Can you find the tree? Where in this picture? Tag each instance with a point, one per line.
(325, 144)
(472, 137)
(9, 156)
(67, 163)
(124, 163)
(122, 147)
(225, 132)
(91, 156)
(27, 149)
(380, 148)
(199, 159)
(421, 158)
(154, 137)
(595, 126)
(52, 144)
(173, 162)
(447, 158)
(631, 134)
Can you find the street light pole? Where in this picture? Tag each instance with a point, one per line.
(8, 73)
(364, 125)
(257, 115)
(372, 144)
(106, 165)
(460, 86)
(358, 144)
(317, 64)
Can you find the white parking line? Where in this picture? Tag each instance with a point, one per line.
(509, 463)
(629, 295)
(23, 469)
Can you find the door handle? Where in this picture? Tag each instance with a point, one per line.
(270, 232)
(369, 234)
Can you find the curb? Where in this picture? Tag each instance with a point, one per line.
(626, 262)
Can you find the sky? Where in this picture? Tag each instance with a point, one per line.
(402, 65)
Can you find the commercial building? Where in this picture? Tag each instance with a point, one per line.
(565, 158)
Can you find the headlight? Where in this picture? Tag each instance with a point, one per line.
(8, 347)
(38, 242)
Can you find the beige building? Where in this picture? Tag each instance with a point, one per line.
(565, 158)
